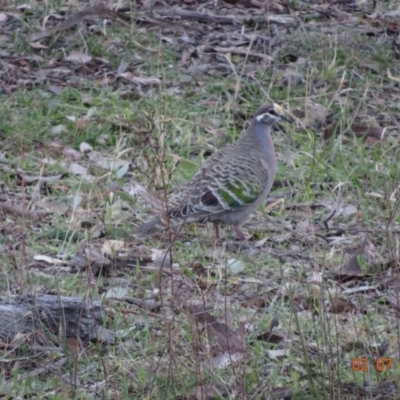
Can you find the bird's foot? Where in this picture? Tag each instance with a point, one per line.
(217, 239)
(239, 233)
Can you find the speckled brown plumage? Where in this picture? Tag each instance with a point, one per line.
(231, 184)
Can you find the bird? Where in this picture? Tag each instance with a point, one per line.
(231, 184)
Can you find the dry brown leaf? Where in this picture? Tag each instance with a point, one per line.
(78, 57)
(228, 340)
(40, 180)
(24, 7)
(126, 75)
(369, 131)
(390, 76)
(74, 345)
(257, 302)
(49, 260)
(338, 306)
(58, 129)
(105, 162)
(342, 99)
(123, 65)
(37, 45)
(240, 51)
(292, 77)
(146, 80)
(315, 114)
(110, 247)
(77, 169)
(89, 258)
(278, 353)
(371, 67)
(69, 152)
(372, 134)
(271, 337)
(271, 6)
(85, 147)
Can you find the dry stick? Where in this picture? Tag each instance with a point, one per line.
(235, 50)
(77, 18)
(104, 13)
(7, 209)
(172, 238)
(227, 19)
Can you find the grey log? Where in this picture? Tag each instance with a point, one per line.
(48, 316)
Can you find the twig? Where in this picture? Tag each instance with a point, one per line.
(227, 19)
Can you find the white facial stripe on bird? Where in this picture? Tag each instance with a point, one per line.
(260, 117)
(278, 110)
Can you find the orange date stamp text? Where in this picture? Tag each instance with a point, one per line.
(361, 364)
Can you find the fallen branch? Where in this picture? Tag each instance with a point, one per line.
(75, 19)
(18, 212)
(104, 13)
(53, 317)
(236, 50)
(227, 19)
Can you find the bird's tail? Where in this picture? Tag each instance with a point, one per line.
(150, 227)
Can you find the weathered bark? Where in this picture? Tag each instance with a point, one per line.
(51, 317)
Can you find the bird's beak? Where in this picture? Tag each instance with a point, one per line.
(285, 118)
(279, 111)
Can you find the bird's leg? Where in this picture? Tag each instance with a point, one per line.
(239, 233)
(216, 228)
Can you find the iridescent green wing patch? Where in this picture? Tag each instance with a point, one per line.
(236, 193)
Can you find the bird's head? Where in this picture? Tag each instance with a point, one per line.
(270, 115)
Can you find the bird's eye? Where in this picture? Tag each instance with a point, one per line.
(272, 112)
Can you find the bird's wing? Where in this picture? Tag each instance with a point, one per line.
(220, 187)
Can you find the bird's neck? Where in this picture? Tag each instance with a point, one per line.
(261, 134)
(262, 137)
